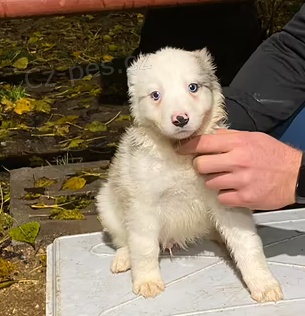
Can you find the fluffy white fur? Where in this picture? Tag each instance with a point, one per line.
(153, 197)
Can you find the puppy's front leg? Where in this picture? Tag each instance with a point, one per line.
(238, 229)
(144, 255)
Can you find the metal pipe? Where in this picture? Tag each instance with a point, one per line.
(30, 8)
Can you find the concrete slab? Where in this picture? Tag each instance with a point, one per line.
(198, 281)
(22, 181)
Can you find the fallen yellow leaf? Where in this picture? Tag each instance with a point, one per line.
(23, 106)
(74, 183)
(76, 54)
(107, 58)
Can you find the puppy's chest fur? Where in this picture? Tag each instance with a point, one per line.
(155, 175)
(182, 203)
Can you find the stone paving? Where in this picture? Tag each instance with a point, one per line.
(22, 184)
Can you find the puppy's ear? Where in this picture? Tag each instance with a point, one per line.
(132, 73)
(135, 72)
(205, 59)
(208, 67)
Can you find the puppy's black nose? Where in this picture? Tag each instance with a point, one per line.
(181, 121)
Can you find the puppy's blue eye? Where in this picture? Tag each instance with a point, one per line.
(156, 95)
(193, 87)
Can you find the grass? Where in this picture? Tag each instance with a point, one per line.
(12, 93)
(6, 220)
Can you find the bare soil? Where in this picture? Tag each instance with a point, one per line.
(26, 297)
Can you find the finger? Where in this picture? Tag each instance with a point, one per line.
(223, 181)
(210, 164)
(236, 198)
(207, 144)
(229, 198)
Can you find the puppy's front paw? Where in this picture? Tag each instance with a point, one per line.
(271, 294)
(121, 261)
(265, 291)
(148, 288)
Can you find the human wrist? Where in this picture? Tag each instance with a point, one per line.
(300, 183)
(295, 163)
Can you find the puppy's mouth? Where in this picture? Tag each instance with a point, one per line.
(184, 134)
(181, 134)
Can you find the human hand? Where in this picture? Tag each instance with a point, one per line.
(247, 169)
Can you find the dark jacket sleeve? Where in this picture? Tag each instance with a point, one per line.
(270, 87)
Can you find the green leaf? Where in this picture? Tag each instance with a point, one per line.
(6, 269)
(88, 77)
(4, 134)
(33, 39)
(123, 118)
(96, 92)
(66, 215)
(7, 124)
(6, 221)
(75, 143)
(107, 38)
(5, 63)
(111, 145)
(6, 284)
(42, 106)
(31, 196)
(118, 29)
(44, 182)
(27, 232)
(62, 68)
(89, 16)
(66, 119)
(112, 48)
(21, 63)
(96, 126)
(62, 130)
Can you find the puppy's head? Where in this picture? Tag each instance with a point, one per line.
(175, 92)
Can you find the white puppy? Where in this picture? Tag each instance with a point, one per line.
(153, 197)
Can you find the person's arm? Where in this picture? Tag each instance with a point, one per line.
(270, 87)
(247, 169)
